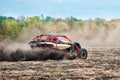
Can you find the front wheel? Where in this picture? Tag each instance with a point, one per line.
(82, 53)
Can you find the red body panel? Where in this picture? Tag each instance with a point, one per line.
(51, 36)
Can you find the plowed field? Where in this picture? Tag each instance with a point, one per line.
(101, 64)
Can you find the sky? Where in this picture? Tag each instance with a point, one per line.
(61, 8)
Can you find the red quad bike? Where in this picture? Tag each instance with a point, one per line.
(59, 42)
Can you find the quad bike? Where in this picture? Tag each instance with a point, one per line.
(58, 42)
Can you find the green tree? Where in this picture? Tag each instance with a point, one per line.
(10, 28)
(49, 19)
(99, 20)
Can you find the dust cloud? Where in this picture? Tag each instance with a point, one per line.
(27, 54)
(27, 34)
(101, 37)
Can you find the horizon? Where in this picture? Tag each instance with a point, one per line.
(17, 17)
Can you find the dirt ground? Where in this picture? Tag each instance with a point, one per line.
(101, 64)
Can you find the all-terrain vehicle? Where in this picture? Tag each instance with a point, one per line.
(59, 42)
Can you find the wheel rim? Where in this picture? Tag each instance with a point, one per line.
(83, 54)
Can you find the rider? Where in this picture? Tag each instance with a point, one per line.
(56, 40)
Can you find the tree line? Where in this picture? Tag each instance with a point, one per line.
(11, 27)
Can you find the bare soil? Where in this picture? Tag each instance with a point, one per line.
(101, 64)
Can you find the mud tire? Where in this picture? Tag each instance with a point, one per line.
(82, 53)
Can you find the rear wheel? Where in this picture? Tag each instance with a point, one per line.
(82, 53)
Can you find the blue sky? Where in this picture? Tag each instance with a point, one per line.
(61, 8)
